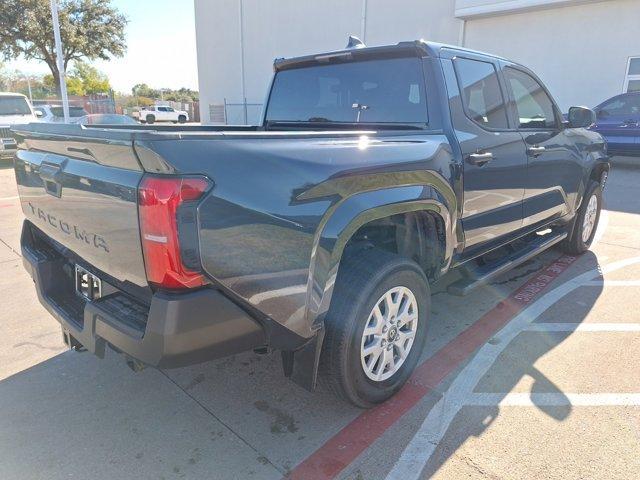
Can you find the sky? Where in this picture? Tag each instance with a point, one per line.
(161, 47)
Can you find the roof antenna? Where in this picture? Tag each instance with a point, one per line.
(355, 42)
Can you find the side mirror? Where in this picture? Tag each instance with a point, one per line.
(581, 117)
(39, 114)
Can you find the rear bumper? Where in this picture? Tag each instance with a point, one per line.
(174, 330)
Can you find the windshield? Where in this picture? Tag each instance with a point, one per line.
(374, 91)
(14, 106)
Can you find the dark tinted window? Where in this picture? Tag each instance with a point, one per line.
(73, 111)
(481, 93)
(533, 105)
(14, 106)
(375, 91)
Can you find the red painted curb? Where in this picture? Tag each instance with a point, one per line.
(344, 447)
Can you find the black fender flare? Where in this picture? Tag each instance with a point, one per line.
(421, 191)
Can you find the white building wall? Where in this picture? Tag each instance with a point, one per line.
(286, 28)
(580, 52)
(474, 8)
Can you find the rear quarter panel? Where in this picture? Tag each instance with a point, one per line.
(282, 207)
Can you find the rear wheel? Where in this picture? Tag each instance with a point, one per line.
(375, 328)
(151, 118)
(182, 119)
(586, 222)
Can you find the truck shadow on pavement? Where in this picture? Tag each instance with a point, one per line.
(515, 371)
(238, 417)
(5, 164)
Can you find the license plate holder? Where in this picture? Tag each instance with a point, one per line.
(87, 284)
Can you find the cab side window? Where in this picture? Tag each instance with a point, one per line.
(533, 106)
(481, 94)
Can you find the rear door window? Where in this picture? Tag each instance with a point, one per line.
(373, 91)
(481, 93)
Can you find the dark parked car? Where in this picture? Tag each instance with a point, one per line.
(318, 233)
(618, 120)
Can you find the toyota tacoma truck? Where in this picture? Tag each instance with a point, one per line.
(319, 232)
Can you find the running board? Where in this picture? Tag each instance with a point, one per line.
(485, 273)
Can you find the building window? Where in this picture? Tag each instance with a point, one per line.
(632, 81)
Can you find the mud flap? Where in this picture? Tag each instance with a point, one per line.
(301, 365)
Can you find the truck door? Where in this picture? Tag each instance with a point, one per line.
(554, 162)
(494, 157)
(161, 114)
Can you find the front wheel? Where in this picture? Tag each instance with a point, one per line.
(182, 119)
(376, 327)
(586, 222)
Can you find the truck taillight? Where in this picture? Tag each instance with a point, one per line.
(159, 201)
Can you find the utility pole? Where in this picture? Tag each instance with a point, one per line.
(26, 77)
(60, 59)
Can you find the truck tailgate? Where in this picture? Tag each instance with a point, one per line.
(83, 195)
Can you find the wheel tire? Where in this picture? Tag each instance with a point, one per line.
(360, 284)
(577, 243)
(151, 119)
(182, 119)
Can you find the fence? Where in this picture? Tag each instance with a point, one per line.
(91, 103)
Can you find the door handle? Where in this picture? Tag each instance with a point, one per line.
(480, 159)
(49, 172)
(535, 151)
(51, 175)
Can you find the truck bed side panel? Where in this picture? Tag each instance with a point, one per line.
(262, 224)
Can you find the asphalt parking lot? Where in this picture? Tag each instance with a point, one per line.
(534, 376)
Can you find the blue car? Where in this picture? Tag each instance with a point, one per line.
(618, 120)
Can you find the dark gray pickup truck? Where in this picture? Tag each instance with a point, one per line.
(318, 233)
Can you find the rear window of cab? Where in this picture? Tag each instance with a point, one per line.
(372, 91)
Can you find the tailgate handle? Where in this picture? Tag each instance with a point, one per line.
(50, 173)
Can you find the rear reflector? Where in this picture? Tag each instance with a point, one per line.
(159, 198)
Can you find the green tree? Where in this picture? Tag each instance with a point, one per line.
(144, 90)
(90, 29)
(90, 78)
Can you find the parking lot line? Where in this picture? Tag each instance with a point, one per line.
(583, 327)
(420, 449)
(344, 447)
(553, 399)
(613, 283)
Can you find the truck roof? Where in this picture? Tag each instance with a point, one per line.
(408, 48)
